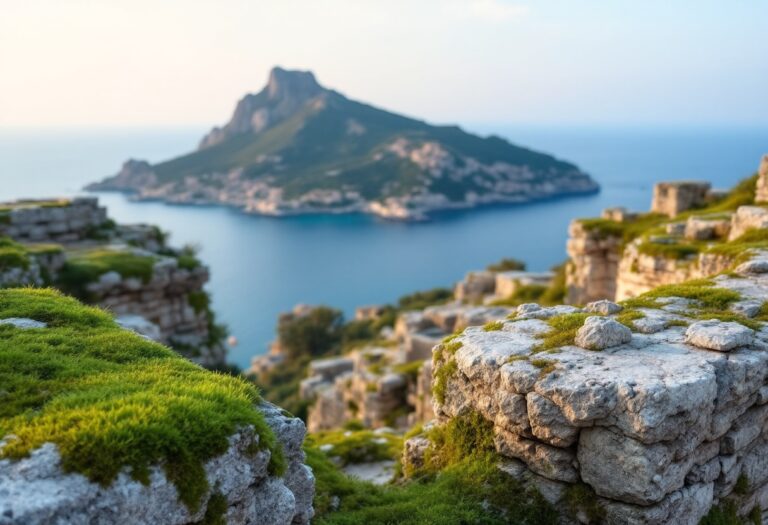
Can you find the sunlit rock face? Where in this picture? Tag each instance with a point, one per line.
(662, 421)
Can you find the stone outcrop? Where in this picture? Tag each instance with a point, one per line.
(610, 260)
(761, 195)
(673, 198)
(661, 424)
(60, 220)
(593, 264)
(36, 490)
(164, 300)
(170, 305)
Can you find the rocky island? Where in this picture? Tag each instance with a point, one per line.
(298, 147)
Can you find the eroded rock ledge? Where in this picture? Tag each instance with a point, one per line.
(36, 490)
(661, 424)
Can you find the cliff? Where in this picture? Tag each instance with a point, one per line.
(297, 147)
(100, 425)
(691, 232)
(129, 269)
(653, 408)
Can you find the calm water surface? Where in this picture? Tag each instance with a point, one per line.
(262, 266)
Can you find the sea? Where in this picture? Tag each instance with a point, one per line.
(261, 266)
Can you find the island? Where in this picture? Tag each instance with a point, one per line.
(298, 147)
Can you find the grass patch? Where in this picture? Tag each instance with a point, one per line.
(493, 326)
(675, 250)
(471, 491)
(562, 331)
(701, 290)
(111, 399)
(360, 446)
(441, 376)
(545, 366)
(85, 267)
(627, 317)
(12, 255)
(528, 293)
(726, 513)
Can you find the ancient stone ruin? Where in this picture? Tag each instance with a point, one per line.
(658, 407)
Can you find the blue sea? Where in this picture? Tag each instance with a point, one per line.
(262, 266)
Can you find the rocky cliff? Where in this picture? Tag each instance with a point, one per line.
(151, 287)
(655, 406)
(99, 425)
(691, 232)
(297, 147)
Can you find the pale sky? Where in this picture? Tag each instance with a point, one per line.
(186, 62)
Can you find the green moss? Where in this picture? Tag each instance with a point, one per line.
(110, 399)
(442, 374)
(739, 250)
(466, 436)
(86, 266)
(742, 485)
(627, 317)
(562, 331)
(626, 231)
(726, 513)
(677, 250)
(545, 366)
(701, 290)
(528, 293)
(726, 316)
(362, 446)
(493, 326)
(580, 498)
(216, 511)
(471, 491)
(515, 358)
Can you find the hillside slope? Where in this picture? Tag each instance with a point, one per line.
(297, 147)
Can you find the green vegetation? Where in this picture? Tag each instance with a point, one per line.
(739, 249)
(440, 380)
(703, 291)
(726, 513)
(86, 266)
(315, 141)
(580, 498)
(410, 369)
(507, 265)
(562, 331)
(671, 248)
(359, 446)
(109, 398)
(421, 300)
(493, 326)
(460, 484)
(545, 366)
(628, 316)
(12, 255)
(216, 511)
(742, 485)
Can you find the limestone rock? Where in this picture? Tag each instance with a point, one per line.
(603, 307)
(602, 332)
(23, 323)
(761, 193)
(718, 335)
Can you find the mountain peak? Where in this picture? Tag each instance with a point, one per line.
(292, 83)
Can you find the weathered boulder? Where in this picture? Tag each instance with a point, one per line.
(718, 335)
(599, 333)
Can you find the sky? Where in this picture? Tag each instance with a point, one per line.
(186, 62)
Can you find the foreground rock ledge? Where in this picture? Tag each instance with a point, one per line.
(661, 429)
(35, 490)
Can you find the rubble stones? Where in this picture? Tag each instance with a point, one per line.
(718, 335)
(602, 332)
